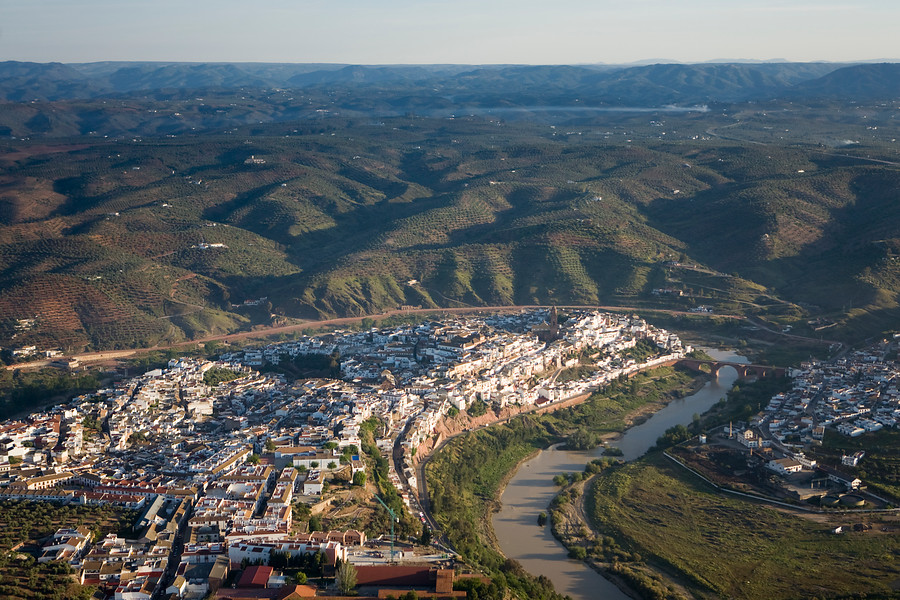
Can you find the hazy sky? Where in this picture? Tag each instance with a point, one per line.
(447, 31)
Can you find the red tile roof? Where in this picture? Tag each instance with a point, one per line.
(255, 577)
(394, 575)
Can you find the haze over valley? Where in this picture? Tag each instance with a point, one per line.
(485, 290)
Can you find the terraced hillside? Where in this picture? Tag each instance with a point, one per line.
(133, 241)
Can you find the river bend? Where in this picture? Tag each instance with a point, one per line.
(531, 489)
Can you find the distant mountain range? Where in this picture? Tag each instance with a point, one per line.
(143, 203)
(649, 85)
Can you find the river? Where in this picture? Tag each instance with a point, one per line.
(531, 489)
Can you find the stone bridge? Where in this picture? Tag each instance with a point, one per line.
(742, 369)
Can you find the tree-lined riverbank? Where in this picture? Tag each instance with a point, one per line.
(467, 476)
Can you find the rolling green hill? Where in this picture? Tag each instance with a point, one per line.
(777, 210)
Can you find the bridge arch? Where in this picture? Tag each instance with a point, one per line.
(743, 370)
(716, 368)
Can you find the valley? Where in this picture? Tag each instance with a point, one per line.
(425, 250)
(155, 241)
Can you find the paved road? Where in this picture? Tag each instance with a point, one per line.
(105, 355)
(766, 327)
(422, 485)
(174, 559)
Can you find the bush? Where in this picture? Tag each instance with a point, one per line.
(219, 375)
(477, 409)
(578, 553)
(583, 439)
(673, 436)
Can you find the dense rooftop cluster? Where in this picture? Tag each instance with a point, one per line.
(182, 450)
(855, 394)
(852, 395)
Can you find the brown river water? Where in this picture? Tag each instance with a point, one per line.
(531, 489)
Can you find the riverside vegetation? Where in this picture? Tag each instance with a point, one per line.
(654, 526)
(466, 476)
(651, 512)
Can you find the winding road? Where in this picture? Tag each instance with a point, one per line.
(106, 355)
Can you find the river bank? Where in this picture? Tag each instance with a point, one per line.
(651, 525)
(571, 526)
(657, 517)
(531, 490)
(568, 519)
(645, 413)
(468, 475)
(488, 522)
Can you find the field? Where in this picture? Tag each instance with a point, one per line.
(674, 521)
(465, 477)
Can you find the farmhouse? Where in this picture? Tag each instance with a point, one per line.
(784, 466)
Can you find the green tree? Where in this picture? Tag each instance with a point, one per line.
(217, 375)
(477, 408)
(346, 578)
(578, 553)
(359, 478)
(672, 436)
(302, 511)
(583, 439)
(315, 523)
(425, 538)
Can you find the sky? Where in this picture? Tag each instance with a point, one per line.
(448, 31)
